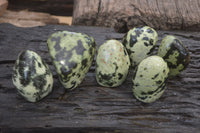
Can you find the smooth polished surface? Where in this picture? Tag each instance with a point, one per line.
(32, 76)
(72, 55)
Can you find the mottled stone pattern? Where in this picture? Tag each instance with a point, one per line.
(32, 76)
(72, 54)
(112, 64)
(175, 54)
(150, 78)
(140, 43)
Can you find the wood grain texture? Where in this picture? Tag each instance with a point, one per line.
(27, 19)
(54, 7)
(3, 6)
(90, 107)
(126, 14)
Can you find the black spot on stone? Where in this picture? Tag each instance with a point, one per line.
(37, 96)
(78, 75)
(64, 71)
(137, 84)
(57, 41)
(84, 63)
(146, 44)
(91, 50)
(158, 82)
(120, 76)
(73, 74)
(149, 30)
(145, 68)
(93, 44)
(155, 76)
(138, 32)
(39, 65)
(79, 48)
(151, 42)
(131, 60)
(161, 88)
(116, 67)
(80, 42)
(105, 76)
(64, 78)
(73, 83)
(133, 40)
(39, 82)
(151, 92)
(141, 76)
(151, 50)
(49, 85)
(145, 38)
(164, 71)
(109, 83)
(113, 74)
(143, 98)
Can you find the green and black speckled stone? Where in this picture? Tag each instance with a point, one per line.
(72, 54)
(140, 42)
(149, 79)
(112, 64)
(175, 54)
(32, 76)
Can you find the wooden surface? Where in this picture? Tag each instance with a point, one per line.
(125, 14)
(27, 19)
(54, 7)
(90, 107)
(3, 6)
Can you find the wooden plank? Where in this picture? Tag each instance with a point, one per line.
(3, 6)
(90, 107)
(28, 19)
(126, 14)
(54, 7)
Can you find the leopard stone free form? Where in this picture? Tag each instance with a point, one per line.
(150, 78)
(72, 54)
(175, 54)
(112, 64)
(140, 42)
(32, 76)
